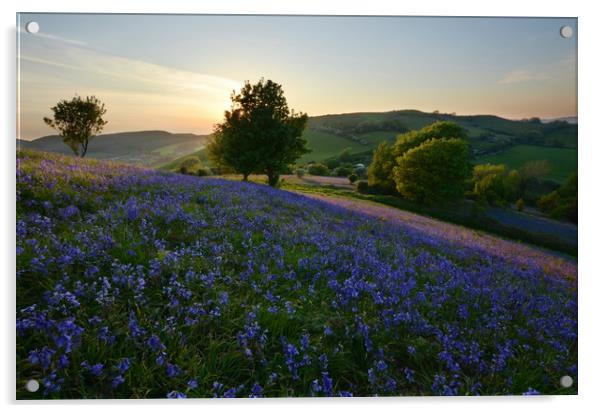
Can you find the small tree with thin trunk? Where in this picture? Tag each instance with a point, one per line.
(77, 121)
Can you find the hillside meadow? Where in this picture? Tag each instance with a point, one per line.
(492, 139)
(562, 161)
(134, 283)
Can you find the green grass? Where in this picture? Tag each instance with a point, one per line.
(374, 138)
(325, 145)
(175, 164)
(563, 161)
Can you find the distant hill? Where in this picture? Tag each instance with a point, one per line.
(568, 119)
(329, 134)
(149, 148)
(491, 137)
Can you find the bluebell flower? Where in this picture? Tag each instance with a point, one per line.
(155, 343)
(117, 381)
(95, 369)
(173, 370)
(326, 384)
(381, 365)
(123, 365)
(176, 395)
(42, 357)
(256, 391)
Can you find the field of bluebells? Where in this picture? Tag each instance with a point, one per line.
(135, 283)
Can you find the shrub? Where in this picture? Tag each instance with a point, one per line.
(488, 183)
(318, 169)
(512, 185)
(190, 162)
(363, 187)
(352, 178)
(204, 172)
(300, 172)
(566, 209)
(548, 202)
(332, 163)
(380, 171)
(342, 171)
(520, 204)
(183, 170)
(562, 203)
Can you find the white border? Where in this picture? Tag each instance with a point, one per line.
(590, 143)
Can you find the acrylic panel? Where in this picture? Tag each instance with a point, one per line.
(295, 206)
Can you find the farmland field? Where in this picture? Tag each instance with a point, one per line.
(325, 145)
(563, 161)
(138, 283)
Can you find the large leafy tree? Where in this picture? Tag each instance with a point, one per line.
(435, 171)
(259, 134)
(77, 121)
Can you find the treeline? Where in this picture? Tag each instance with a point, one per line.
(344, 165)
(432, 166)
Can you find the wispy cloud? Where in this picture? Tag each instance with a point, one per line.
(521, 76)
(49, 36)
(165, 97)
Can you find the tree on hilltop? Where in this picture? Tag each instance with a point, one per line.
(77, 121)
(259, 134)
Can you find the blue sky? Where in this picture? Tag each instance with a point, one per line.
(175, 72)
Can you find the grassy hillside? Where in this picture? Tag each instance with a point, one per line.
(133, 283)
(484, 130)
(145, 147)
(329, 135)
(563, 161)
(325, 145)
(174, 165)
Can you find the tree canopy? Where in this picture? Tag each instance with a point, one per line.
(380, 171)
(437, 130)
(435, 171)
(77, 121)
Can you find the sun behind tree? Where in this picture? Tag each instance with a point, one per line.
(77, 121)
(259, 134)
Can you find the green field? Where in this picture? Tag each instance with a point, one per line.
(563, 161)
(325, 145)
(374, 138)
(486, 134)
(175, 164)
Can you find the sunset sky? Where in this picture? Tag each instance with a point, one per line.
(175, 73)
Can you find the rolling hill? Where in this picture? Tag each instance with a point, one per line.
(491, 138)
(150, 148)
(132, 283)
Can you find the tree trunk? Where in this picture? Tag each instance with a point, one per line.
(84, 149)
(273, 178)
(245, 177)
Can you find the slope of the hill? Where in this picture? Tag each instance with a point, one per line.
(491, 137)
(144, 147)
(136, 283)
